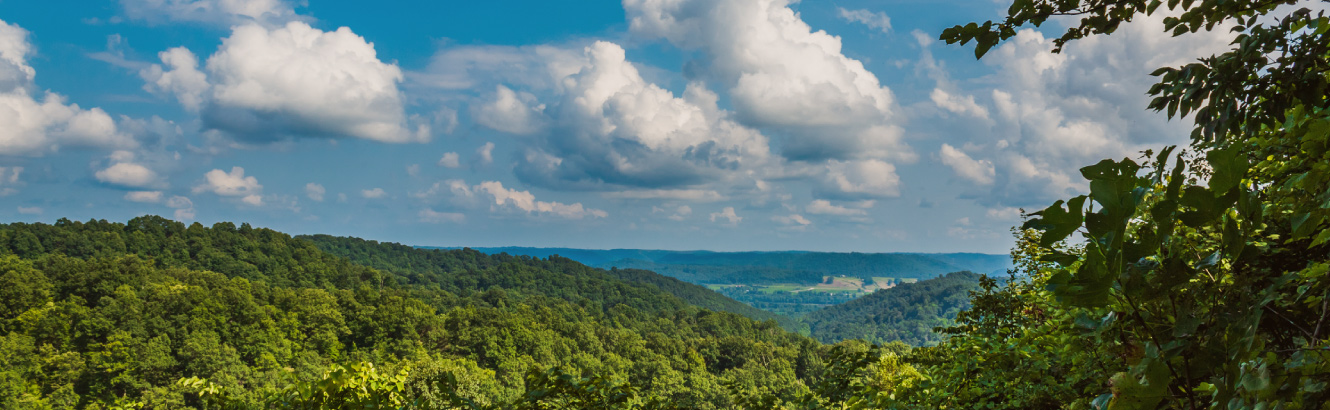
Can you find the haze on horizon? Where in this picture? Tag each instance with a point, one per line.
(724, 125)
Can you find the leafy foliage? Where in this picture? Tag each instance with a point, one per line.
(106, 314)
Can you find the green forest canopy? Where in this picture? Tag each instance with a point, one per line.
(99, 313)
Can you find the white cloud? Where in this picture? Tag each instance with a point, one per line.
(860, 179)
(527, 202)
(413, 170)
(793, 220)
(431, 216)
(978, 171)
(232, 184)
(315, 191)
(1004, 214)
(36, 123)
(373, 193)
(511, 112)
(450, 160)
(486, 153)
(958, 104)
(216, 12)
(1059, 112)
(698, 195)
(129, 174)
(874, 20)
(32, 210)
(9, 179)
(616, 129)
(181, 78)
(728, 215)
(147, 197)
(184, 208)
(678, 214)
(825, 207)
(781, 73)
(14, 50)
(300, 81)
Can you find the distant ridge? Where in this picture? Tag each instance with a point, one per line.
(778, 266)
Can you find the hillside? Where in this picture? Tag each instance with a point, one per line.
(98, 313)
(705, 267)
(443, 268)
(907, 312)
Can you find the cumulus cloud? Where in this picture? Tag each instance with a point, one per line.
(781, 73)
(315, 191)
(147, 197)
(29, 210)
(1055, 113)
(511, 112)
(860, 179)
(216, 12)
(958, 104)
(525, 201)
(128, 174)
(979, 172)
(9, 179)
(184, 208)
(792, 220)
(727, 214)
(450, 160)
(825, 207)
(697, 195)
(375, 193)
(1004, 214)
(615, 129)
(180, 78)
(676, 214)
(485, 154)
(232, 184)
(36, 122)
(874, 20)
(431, 216)
(264, 84)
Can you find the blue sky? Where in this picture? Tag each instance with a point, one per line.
(665, 124)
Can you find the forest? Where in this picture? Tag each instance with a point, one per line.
(116, 315)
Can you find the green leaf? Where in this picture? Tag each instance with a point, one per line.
(1229, 166)
(1304, 224)
(1056, 222)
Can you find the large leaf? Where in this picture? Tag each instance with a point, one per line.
(1057, 222)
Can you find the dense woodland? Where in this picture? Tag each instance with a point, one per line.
(440, 267)
(907, 312)
(93, 314)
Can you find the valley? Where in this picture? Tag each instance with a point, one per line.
(790, 283)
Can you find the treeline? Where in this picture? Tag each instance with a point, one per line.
(101, 314)
(725, 274)
(759, 268)
(907, 312)
(557, 276)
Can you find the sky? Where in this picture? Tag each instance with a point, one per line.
(721, 125)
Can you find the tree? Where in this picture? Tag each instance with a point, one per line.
(1203, 271)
